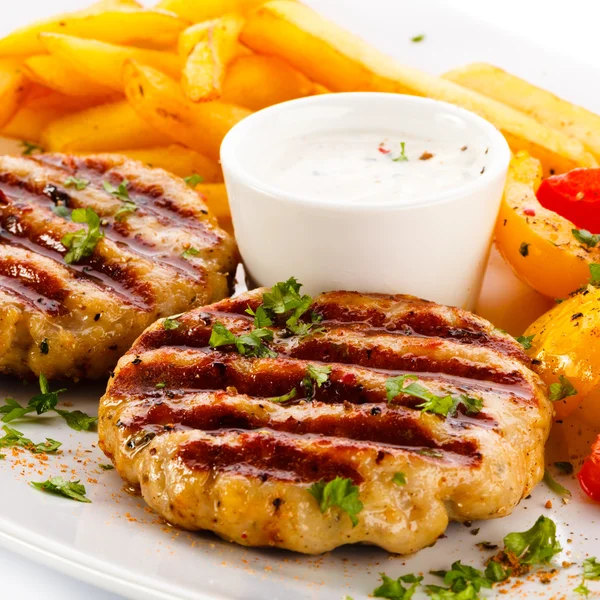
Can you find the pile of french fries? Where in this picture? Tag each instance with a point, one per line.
(165, 84)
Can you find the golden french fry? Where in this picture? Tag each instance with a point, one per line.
(103, 128)
(55, 74)
(256, 81)
(160, 102)
(215, 196)
(341, 61)
(103, 63)
(178, 160)
(202, 10)
(39, 97)
(13, 87)
(544, 107)
(115, 4)
(216, 46)
(114, 22)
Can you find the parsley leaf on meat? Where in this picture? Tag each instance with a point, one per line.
(193, 180)
(78, 184)
(563, 389)
(525, 341)
(248, 344)
(340, 492)
(595, 274)
(81, 243)
(316, 375)
(126, 209)
(393, 589)
(399, 478)
(121, 192)
(170, 323)
(58, 486)
(30, 148)
(191, 251)
(289, 396)
(261, 319)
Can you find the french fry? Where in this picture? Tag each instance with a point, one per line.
(215, 196)
(39, 97)
(53, 73)
(215, 47)
(256, 81)
(544, 107)
(113, 22)
(203, 10)
(178, 160)
(340, 61)
(13, 87)
(103, 63)
(115, 4)
(103, 128)
(160, 102)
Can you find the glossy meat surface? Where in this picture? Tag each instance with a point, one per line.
(206, 436)
(75, 320)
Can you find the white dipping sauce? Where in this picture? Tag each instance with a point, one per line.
(360, 166)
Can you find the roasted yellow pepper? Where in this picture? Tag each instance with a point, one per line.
(537, 243)
(566, 349)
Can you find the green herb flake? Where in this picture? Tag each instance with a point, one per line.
(556, 487)
(582, 589)
(44, 347)
(12, 437)
(193, 180)
(121, 192)
(285, 398)
(316, 376)
(170, 324)
(525, 341)
(393, 589)
(535, 546)
(74, 182)
(495, 572)
(126, 209)
(30, 148)
(399, 478)
(564, 467)
(591, 568)
(106, 467)
(402, 156)
(524, 249)
(249, 344)
(583, 236)
(417, 38)
(78, 420)
(161, 385)
(261, 319)
(563, 389)
(61, 211)
(191, 251)
(82, 243)
(595, 274)
(340, 492)
(59, 487)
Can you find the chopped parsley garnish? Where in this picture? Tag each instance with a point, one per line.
(160, 385)
(81, 243)
(78, 184)
(556, 487)
(261, 319)
(430, 452)
(439, 405)
(339, 492)
(12, 437)
(170, 323)
(582, 589)
(106, 467)
(30, 148)
(316, 376)
(402, 156)
(289, 396)
(399, 478)
(191, 251)
(564, 467)
(583, 236)
(193, 180)
(524, 249)
(126, 209)
(58, 486)
(535, 546)
(591, 570)
(525, 341)
(44, 402)
(495, 572)
(563, 389)
(418, 38)
(62, 211)
(393, 589)
(460, 577)
(249, 344)
(121, 192)
(595, 274)
(44, 347)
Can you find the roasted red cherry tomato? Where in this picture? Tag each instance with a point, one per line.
(575, 196)
(589, 476)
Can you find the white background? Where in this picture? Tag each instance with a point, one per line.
(566, 29)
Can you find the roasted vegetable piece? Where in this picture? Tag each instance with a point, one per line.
(565, 345)
(538, 243)
(575, 196)
(589, 476)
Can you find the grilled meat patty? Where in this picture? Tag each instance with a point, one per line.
(207, 436)
(76, 320)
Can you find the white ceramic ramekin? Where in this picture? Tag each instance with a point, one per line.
(435, 248)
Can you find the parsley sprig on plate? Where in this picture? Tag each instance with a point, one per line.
(59, 487)
(12, 438)
(44, 402)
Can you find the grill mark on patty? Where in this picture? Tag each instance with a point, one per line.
(30, 293)
(393, 426)
(267, 457)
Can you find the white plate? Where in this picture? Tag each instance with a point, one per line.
(118, 544)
